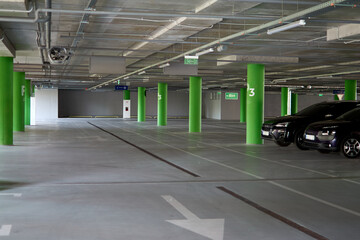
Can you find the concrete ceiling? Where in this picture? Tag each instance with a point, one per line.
(188, 25)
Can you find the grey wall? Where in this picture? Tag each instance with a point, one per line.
(46, 104)
(85, 103)
(230, 109)
(212, 105)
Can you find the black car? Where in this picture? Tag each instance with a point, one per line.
(341, 134)
(288, 129)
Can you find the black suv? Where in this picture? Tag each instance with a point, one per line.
(341, 134)
(288, 129)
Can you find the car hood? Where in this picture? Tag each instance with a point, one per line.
(328, 123)
(291, 118)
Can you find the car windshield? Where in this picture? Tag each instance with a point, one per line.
(351, 115)
(315, 110)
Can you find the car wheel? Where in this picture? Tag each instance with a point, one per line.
(282, 143)
(323, 151)
(350, 147)
(299, 139)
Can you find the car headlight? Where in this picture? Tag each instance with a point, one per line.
(326, 134)
(283, 124)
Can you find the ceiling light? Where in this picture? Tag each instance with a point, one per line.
(205, 5)
(141, 73)
(164, 65)
(299, 23)
(126, 77)
(210, 50)
(221, 48)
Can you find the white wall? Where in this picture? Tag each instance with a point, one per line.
(46, 101)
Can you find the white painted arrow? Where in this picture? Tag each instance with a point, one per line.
(5, 230)
(210, 228)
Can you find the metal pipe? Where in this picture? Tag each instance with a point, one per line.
(17, 11)
(48, 25)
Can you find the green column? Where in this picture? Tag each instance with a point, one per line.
(19, 101)
(243, 105)
(195, 96)
(162, 104)
(141, 104)
(350, 90)
(284, 100)
(294, 103)
(126, 94)
(6, 101)
(27, 101)
(255, 103)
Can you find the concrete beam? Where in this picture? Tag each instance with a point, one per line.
(343, 31)
(6, 47)
(255, 59)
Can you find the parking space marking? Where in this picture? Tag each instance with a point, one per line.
(5, 230)
(147, 152)
(210, 228)
(255, 176)
(274, 215)
(11, 194)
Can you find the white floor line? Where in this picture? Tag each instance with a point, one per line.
(255, 176)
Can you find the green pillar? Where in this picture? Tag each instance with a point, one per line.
(294, 103)
(162, 104)
(141, 104)
(19, 101)
(6, 101)
(27, 101)
(195, 96)
(243, 105)
(284, 100)
(255, 103)
(126, 94)
(350, 90)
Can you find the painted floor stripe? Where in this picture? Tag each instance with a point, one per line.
(255, 176)
(147, 152)
(275, 215)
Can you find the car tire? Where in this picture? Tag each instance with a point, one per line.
(282, 143)
(299, 139)
(350, 147)
(324, 151)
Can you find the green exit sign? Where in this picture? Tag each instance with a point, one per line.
(191, 60)
(231, 96)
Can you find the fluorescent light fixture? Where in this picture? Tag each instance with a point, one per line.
(205, 5)
(126, 77)
(299, 23)
(309, 68)
(164, 65)
(168, 27)
(141, 73)
(210, 50)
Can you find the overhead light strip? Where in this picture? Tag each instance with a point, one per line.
(299, 23)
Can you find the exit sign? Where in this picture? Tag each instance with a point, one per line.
(231, 96)
(191, 60)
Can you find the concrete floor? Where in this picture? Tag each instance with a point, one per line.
(79, 182)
